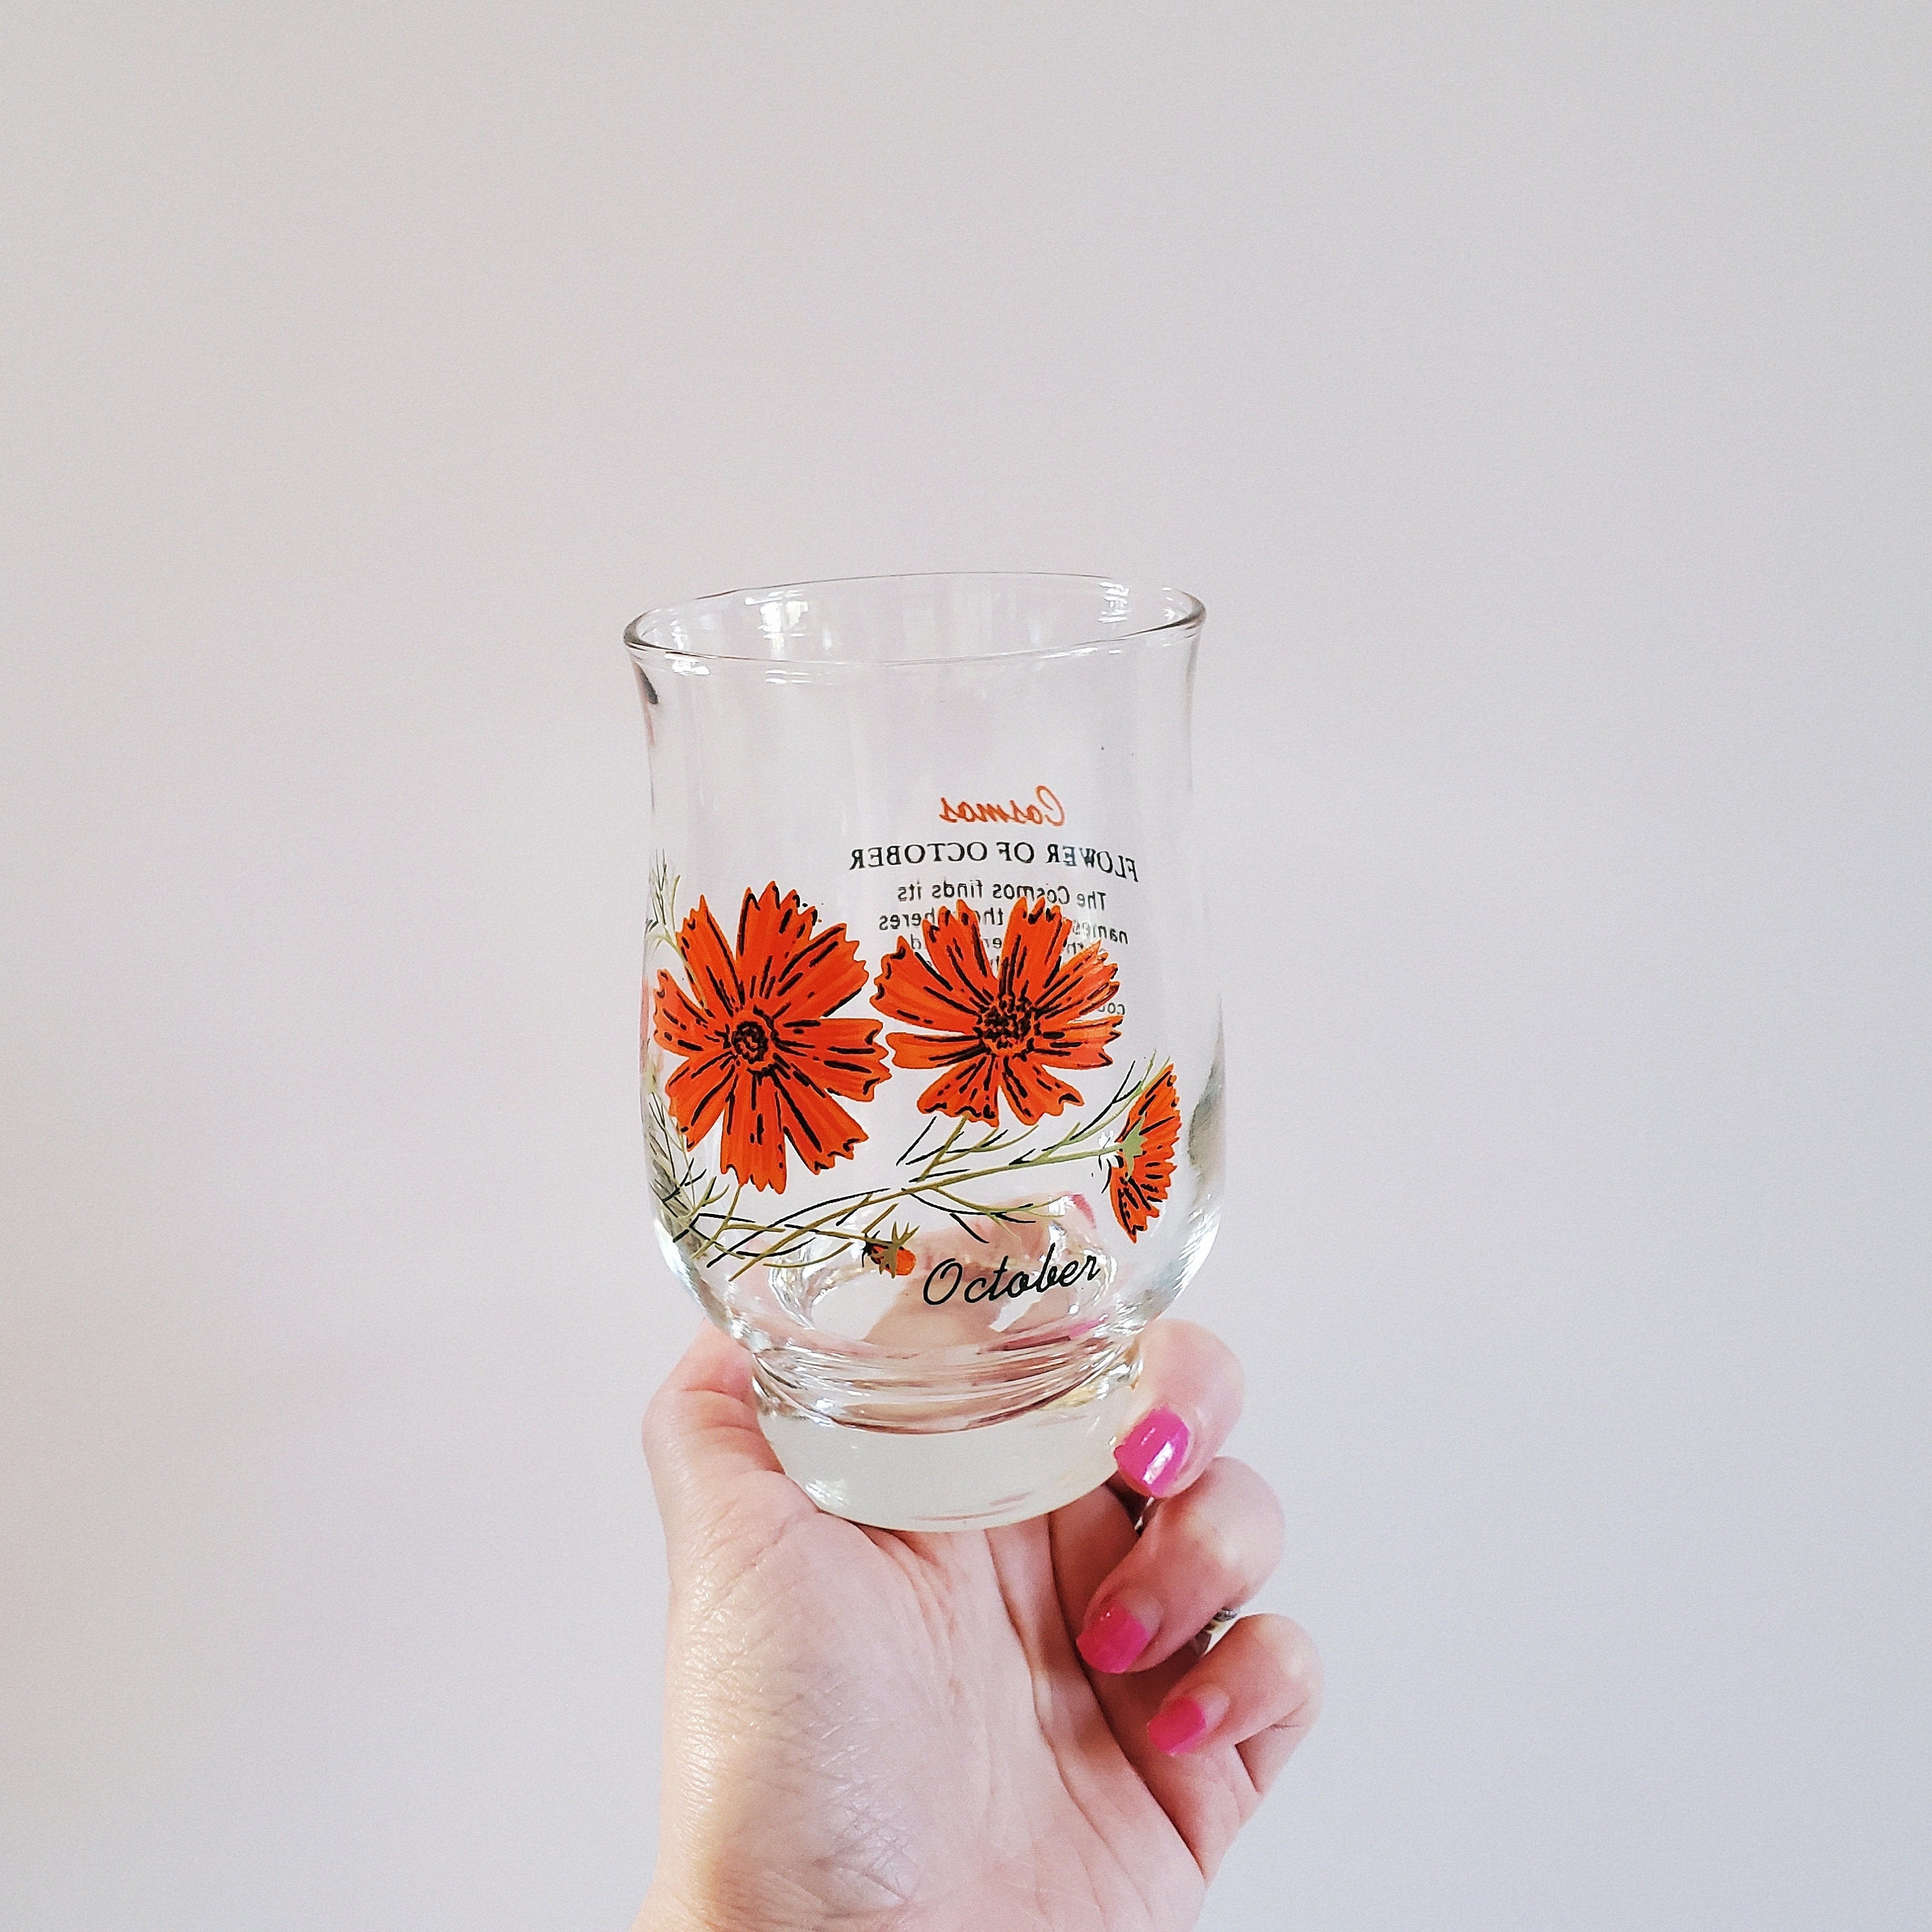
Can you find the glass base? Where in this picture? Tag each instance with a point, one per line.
(974, 1478)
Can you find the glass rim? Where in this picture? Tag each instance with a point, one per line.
(1188, 613)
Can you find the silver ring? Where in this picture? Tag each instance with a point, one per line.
(1211, 1632)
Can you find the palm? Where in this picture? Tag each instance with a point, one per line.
(864, 1720)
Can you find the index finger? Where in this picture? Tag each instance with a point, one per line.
(1189, 1391)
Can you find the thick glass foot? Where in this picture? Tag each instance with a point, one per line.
(974, 1478)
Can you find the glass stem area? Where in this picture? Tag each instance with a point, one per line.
(978, 1478)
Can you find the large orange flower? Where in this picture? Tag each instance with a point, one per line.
(1138, 1185)
(998, 1033)
(761, 1048)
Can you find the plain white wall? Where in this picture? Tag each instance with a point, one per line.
(1539, 398)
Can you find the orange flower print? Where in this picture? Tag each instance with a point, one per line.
(998, 1033)
(1138, 1184)
(761, 1048)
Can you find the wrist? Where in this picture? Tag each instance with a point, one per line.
(664, 1912)
(667, 1909)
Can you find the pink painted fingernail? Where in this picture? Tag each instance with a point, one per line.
(1177, 1725)
(1181, 1723)
(1153, 1454)
(1113, 1639)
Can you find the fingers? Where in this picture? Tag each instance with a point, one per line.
(1190, 1392)
(1259, 1689)
(1207, 1549)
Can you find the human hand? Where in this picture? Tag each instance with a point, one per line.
(1009, 1730)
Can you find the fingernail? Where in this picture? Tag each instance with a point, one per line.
(1113, 1639)
(1181, 1723)
(1176, 1726)
(1153, 1454)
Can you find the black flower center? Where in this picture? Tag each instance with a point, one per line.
(752, 1042)
(1007, 1025)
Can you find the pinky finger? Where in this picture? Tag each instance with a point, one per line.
(1258, 1690)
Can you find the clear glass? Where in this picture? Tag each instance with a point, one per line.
(931, 1044)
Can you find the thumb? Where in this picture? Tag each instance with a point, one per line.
(714, 1473)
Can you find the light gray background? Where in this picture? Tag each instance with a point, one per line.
(1538, 396)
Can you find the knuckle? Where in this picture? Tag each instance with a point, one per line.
(1258, 1496)
(1212, 1547)
(1225, 1374)
(657, 1424)
(1231, 1522)
(1186, 1353)
(1237, 1384)
(1292, 1652)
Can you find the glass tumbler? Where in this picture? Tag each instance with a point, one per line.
(930, 1043)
